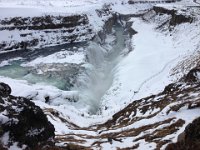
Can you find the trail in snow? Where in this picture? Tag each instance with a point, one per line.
(155, 75)
(145, 82)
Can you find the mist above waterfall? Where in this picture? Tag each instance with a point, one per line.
(98, 77)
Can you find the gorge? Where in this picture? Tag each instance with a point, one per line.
(107, 74)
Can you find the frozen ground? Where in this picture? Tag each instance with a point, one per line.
(142, 72)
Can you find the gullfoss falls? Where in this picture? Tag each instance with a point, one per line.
(98, 76)
(83, 72)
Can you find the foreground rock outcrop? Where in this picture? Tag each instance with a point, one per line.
(189, 139)
(23, 122)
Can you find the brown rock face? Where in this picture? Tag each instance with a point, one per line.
(191, 138)
(5, 90)
(192, 76)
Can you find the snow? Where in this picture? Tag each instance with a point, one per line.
(12, 8)
(4, 63)
(3, 118)
(72, 57)
(34, 8)
(15, 147)
(146, 70)
(5, 138)
(7, 62)
(131, 9)
(142, 72)
(23, 88)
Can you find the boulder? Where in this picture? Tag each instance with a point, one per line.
(191, 138)
(193, 75)
(5, 90)
(22, 121)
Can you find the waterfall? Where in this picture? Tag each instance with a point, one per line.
(95, 55)
(98, 77)
(90, 80)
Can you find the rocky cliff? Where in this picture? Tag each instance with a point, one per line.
(35, 32)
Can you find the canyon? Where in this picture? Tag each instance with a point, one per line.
(105, 74)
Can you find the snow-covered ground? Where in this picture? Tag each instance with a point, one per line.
(13, 8)
(146, 70)
(60, 57)
(142, 72)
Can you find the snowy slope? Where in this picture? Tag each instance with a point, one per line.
(146, 70)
